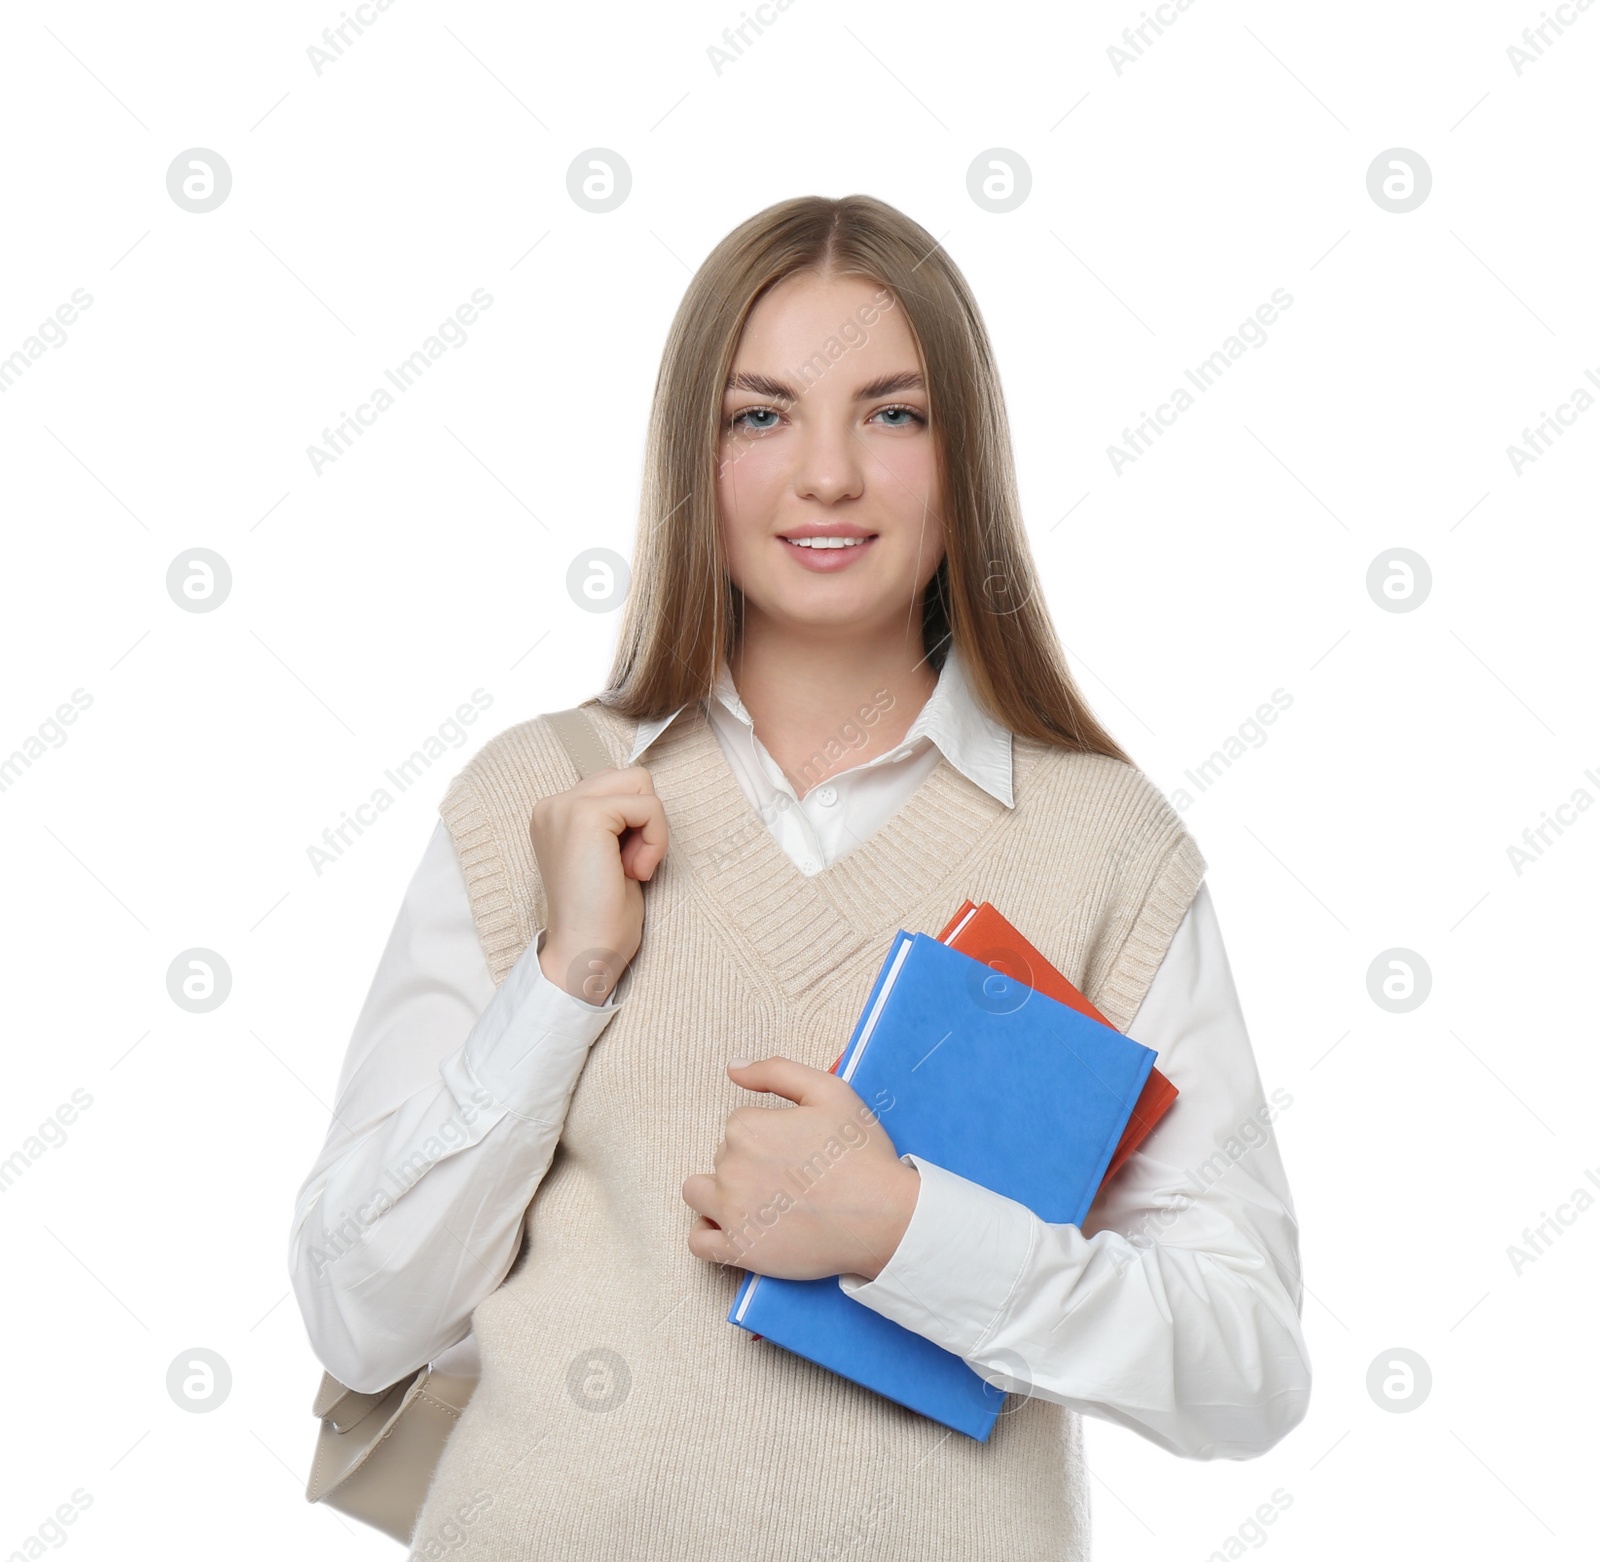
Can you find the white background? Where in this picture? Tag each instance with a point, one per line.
(1168, 201)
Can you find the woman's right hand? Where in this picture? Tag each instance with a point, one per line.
(596, 844)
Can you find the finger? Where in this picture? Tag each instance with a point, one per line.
(633, 781)
(712, 1245)
(637, 819)
(700, 1193)
(640, 818)
(782, 1076)
(617, 779)
(640, 857)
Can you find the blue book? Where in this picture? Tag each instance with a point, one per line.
(981, 1075)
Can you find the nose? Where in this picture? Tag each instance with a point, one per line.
(829, 463)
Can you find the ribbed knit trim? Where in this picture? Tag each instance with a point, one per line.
(483, 866)
(802, 927)
(501, 782)
(1147, 877)
(1149, 933)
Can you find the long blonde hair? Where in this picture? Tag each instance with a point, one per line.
(681, 615)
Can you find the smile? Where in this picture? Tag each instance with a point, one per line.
(828, 555)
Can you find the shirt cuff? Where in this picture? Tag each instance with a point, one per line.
(957, 1265)
(530, 1042)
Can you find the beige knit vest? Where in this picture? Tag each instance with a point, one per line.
(621, 1417)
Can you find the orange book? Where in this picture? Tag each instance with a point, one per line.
(983, 933)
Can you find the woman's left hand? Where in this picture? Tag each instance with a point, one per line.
(804, 1192)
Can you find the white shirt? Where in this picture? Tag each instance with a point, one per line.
(1174, 1310)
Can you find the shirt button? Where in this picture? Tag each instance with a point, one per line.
(826, 794)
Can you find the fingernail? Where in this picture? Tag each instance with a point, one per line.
(739, 1062)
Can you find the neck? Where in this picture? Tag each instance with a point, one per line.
(821, 703)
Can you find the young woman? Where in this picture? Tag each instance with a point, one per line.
(838, 708)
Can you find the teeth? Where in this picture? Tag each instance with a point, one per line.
(825, 542)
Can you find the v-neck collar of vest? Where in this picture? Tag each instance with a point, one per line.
(804, 926)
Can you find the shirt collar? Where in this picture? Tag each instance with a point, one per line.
(952, 719)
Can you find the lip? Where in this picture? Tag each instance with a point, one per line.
(827, 561)
(829, 529)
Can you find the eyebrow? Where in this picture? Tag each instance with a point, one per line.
(884, 385)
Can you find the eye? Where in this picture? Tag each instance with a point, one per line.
(910, 413)
(738, 419)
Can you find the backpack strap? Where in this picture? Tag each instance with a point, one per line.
(581, 740)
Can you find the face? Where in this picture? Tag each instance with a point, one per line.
(825, 435)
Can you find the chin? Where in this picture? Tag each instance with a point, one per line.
(835, 610)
